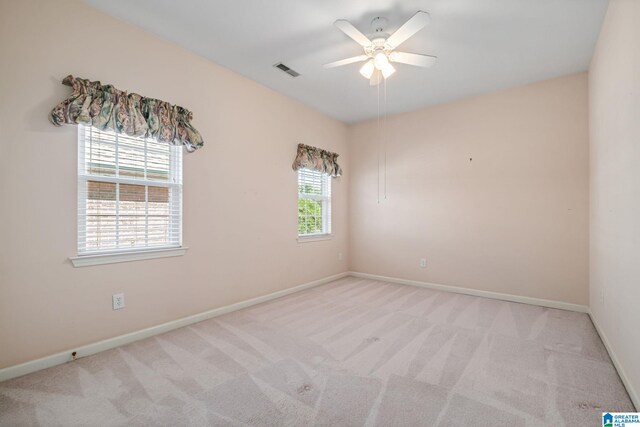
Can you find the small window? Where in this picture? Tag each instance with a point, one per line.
(314, 203)
(129, 193)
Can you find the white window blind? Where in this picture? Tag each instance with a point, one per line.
(129, 193)
(314, 203)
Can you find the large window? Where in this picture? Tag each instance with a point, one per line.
(129, 193)
(314, 203)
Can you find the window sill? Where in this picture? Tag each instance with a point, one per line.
(314, 238)
(98, 259)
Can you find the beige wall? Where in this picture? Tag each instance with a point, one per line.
(240, 220)
(614, 113)
(512, 220)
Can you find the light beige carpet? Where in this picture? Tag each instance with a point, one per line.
(350, 353)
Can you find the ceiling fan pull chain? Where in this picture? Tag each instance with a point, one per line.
(384, 131)
(378, 141)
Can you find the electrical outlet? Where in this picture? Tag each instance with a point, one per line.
(423, 263)
(339, 256)
(118, 301)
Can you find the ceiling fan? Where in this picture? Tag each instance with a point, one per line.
(379, 49)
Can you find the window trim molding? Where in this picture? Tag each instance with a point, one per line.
(305, 238)
(116, 257)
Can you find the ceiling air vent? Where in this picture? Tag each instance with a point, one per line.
(287, 70)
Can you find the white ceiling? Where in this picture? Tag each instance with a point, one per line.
(481, 45)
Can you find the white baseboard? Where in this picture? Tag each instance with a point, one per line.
(478, 293)
(89, 349)
(621, 372)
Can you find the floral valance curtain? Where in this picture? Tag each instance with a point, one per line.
(316, 159)
(106, 107)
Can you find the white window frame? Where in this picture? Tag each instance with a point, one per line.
(325, 199)
(87, 257)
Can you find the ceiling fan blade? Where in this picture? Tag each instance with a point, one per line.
(409, 28)
(352, 32)
(376, 78)
(346, 61)
(413, 59)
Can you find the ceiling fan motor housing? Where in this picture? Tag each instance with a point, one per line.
(378, 44)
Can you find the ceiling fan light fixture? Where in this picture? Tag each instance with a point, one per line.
(367, 69)
(387, 70)
(380, 60)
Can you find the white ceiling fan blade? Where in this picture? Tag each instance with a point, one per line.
(346, 61)
(413, 59)
(409, 28)
(352, 32)
(376, 78)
